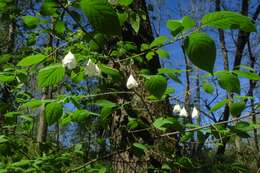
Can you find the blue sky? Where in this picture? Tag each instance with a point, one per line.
(175, 9)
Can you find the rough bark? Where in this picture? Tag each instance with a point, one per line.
(127, 162)
(7, 45)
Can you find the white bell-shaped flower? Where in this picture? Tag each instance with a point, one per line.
(131, 82)
(69, 61)
(183, 112)
(195, 113)
(92, 69)
(177, 108)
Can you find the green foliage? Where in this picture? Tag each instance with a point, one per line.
(228, 20)
(125, 2)
(219, 105)
(53, 112)
(229, 82)
(187, 23)
(201, 50)
(156, 85)
(208, 88)
(159, 123)
(158, 41)
(135, 22)
(32, 104)
(109, 71)
(6, 77)
(31, 21)
(31, 60)
(175, 27)
(237, 108)
(48, 8)
(60, 27)
(51, 75)
(101, 16)
(248, 75)
(100, 119)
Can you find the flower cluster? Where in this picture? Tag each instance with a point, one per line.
(93, 70)
(183, 113)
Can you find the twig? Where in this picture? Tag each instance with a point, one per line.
(209, 125)
(77, 22)
(96, 159)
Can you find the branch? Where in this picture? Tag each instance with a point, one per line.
(96, 159)
(77, 22)
(210, 125)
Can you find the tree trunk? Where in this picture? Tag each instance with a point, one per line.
(7, 45)
(242, 39)
(127, 162)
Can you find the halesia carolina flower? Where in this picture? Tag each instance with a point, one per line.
(69, 61)
(131, 82)
(195, 113)
(177, 108)
(92, 69)
(183, 112)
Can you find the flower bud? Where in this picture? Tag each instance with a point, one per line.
(69, 61)
(131, 82)
(92, 69)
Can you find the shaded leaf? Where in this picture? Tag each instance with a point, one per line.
(201, 50)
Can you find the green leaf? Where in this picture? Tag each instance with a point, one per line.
(106, 103)
(228, 20)
(2, 5)
(109, 70)
(248, 75)
(156, 85)
(81, 115)
(53, 111)
(240, 132)
(31, 60)
(107, 108)
(162, 53)
(237, 108)
(103, 169)
(31, 21)
(175, 27)
(125, 2)
(21, 163)
(132, 123)
(219, 105)
(158, 41)
(149, 55)
(101, 16)
(242, 125)
(159, 123)
(50, 75)
(135, 22)
(48, 8)
(98, 43)
(187, 23)
(6, 77)
(140, 146)
(208, 88)
(60, 27)
(5, 58)
(201, 50)
(34, 103)
(122, 18)
(229, 82)
(3, 139)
